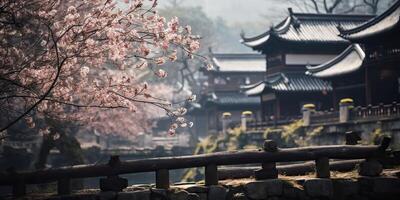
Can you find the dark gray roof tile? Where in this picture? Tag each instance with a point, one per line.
(350, 60)
(309, 28)
(382, 23)
(233, 99)
(290, 82)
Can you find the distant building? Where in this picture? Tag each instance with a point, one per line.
(222, 92)
(298, 41)
(368, 70)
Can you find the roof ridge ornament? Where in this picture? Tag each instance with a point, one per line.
(290, 11)
(242, 34)
(285, 79)
(340, 28)
(294, 20)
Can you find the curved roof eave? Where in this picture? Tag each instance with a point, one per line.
(264, 37)
(256, 90)
(382, 23)
(350, 60)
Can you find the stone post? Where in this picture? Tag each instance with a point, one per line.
(345, 106)
(268, 169)
(246, 116)
(113, 182)
(307, 110)
(226, 119)
(371, 166)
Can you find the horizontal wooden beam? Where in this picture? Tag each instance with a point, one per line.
(221, 158)
(289, 170)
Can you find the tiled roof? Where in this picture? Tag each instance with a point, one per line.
(348, 61)
(290, 82)
(239, 62)
(233, 99)
(309, 28)
(388, 20)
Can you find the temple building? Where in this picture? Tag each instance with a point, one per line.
(368, 70)
(221, 93)
(298, 41)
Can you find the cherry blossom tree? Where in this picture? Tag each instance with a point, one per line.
(72, 60)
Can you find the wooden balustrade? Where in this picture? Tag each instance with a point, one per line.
(375, 112)
(115, 167)
(358, 113)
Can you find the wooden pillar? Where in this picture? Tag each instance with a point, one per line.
(322, 168)
(334, 99)
(162, 179)
(64, 186)
(368, 95)
(278, 109)
(211, 175)
(263, 111)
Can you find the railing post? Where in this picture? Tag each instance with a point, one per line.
(64, 186)
(268, 170)
(211, 175)
(322, 168)
(162, 179)
(394, 108)
(19, 187)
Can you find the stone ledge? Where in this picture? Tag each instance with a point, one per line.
(379, 185)
(264, 189)
(319, 187)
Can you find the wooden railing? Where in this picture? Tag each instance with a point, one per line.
(357, 114)
(161, 166)
(383, 54)
(379, 111)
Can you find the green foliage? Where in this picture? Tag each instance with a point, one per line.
(234, 140)
(286, 136)
(377, 136)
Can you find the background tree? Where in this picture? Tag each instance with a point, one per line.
(213, 33)
(341, 6)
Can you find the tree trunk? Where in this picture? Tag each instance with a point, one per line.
(46, 146)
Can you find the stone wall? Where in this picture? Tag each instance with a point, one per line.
(369, 131)
(362, 188)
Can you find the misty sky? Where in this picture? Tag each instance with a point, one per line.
(234, 11)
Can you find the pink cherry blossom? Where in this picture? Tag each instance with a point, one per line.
(84, 61)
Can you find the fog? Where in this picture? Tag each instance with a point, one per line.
(239, 11)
